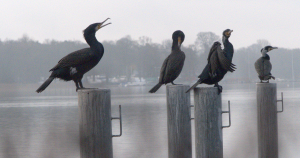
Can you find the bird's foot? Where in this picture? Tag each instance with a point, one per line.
(175, 84)
(84, 88)
(220, 88)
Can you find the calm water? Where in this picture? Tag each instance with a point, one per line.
(46, 125)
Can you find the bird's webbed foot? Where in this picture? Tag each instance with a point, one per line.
(174, 83)
(220, 88)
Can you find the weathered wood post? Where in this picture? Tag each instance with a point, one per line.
(179, 122)
(267, 120)
(95, 123)
(208, 122)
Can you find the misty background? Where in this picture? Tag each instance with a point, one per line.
(28, 61)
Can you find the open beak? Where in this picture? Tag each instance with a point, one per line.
(101, 24)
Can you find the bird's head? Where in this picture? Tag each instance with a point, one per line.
(93, 28)
(227, 33)
(178, 37)
(267, 49)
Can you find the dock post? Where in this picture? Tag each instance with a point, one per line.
(267, 120)
(208, 122)
(179, 122)
(95, 123)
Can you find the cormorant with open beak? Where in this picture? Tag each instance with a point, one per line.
(76, 64)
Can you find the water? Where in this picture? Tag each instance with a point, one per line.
(47, 124)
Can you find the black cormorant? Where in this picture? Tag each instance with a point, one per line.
(219, 62)
(173, 64)
(76, 64)
(263, 65)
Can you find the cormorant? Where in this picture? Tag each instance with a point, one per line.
(263, 65)
(76, 64)
(219, 62)
(173, 64)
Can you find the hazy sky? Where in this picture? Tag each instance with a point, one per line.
(276, 20)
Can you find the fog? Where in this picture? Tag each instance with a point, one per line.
(28, 61)
(46, 124)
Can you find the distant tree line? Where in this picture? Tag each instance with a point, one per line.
(26, 61)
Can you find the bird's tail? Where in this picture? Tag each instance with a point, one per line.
(45, 84)
(195, 85)
(155, 88)
(272, 77)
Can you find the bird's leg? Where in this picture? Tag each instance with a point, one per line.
(81, 86)
(80, 83)
(220, 88)
(76, 84)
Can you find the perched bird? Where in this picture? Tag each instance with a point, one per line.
(219, 62)
(173, 64)
(76, 64)
(263, 65)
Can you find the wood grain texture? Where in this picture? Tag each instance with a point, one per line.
(95, 123)
(267, 120)
(208, 123)
(179, 122)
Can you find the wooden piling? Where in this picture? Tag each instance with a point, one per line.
(95, 123)
(208, 123)
(179, 122)
(267, 120)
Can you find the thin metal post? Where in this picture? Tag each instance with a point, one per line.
(179, 121)
(120, 119)
(208, 123)
(267, 120)
(95, 123)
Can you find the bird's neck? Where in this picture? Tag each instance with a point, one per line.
(266, 57)
(175, 45)
(228, 47)
(93, 43)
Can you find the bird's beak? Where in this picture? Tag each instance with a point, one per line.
(100, 25)
(230, 32)
(272, 48)
(179, 41)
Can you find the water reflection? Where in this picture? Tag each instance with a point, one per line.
(47, 125)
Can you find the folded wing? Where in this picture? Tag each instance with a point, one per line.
(76, 58)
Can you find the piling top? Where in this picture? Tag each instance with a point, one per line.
(206, 89)
(93, 90)
(177, 86)
(259, 84)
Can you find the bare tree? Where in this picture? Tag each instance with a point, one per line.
(205, 40)
(262, 43)
(143, 40)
